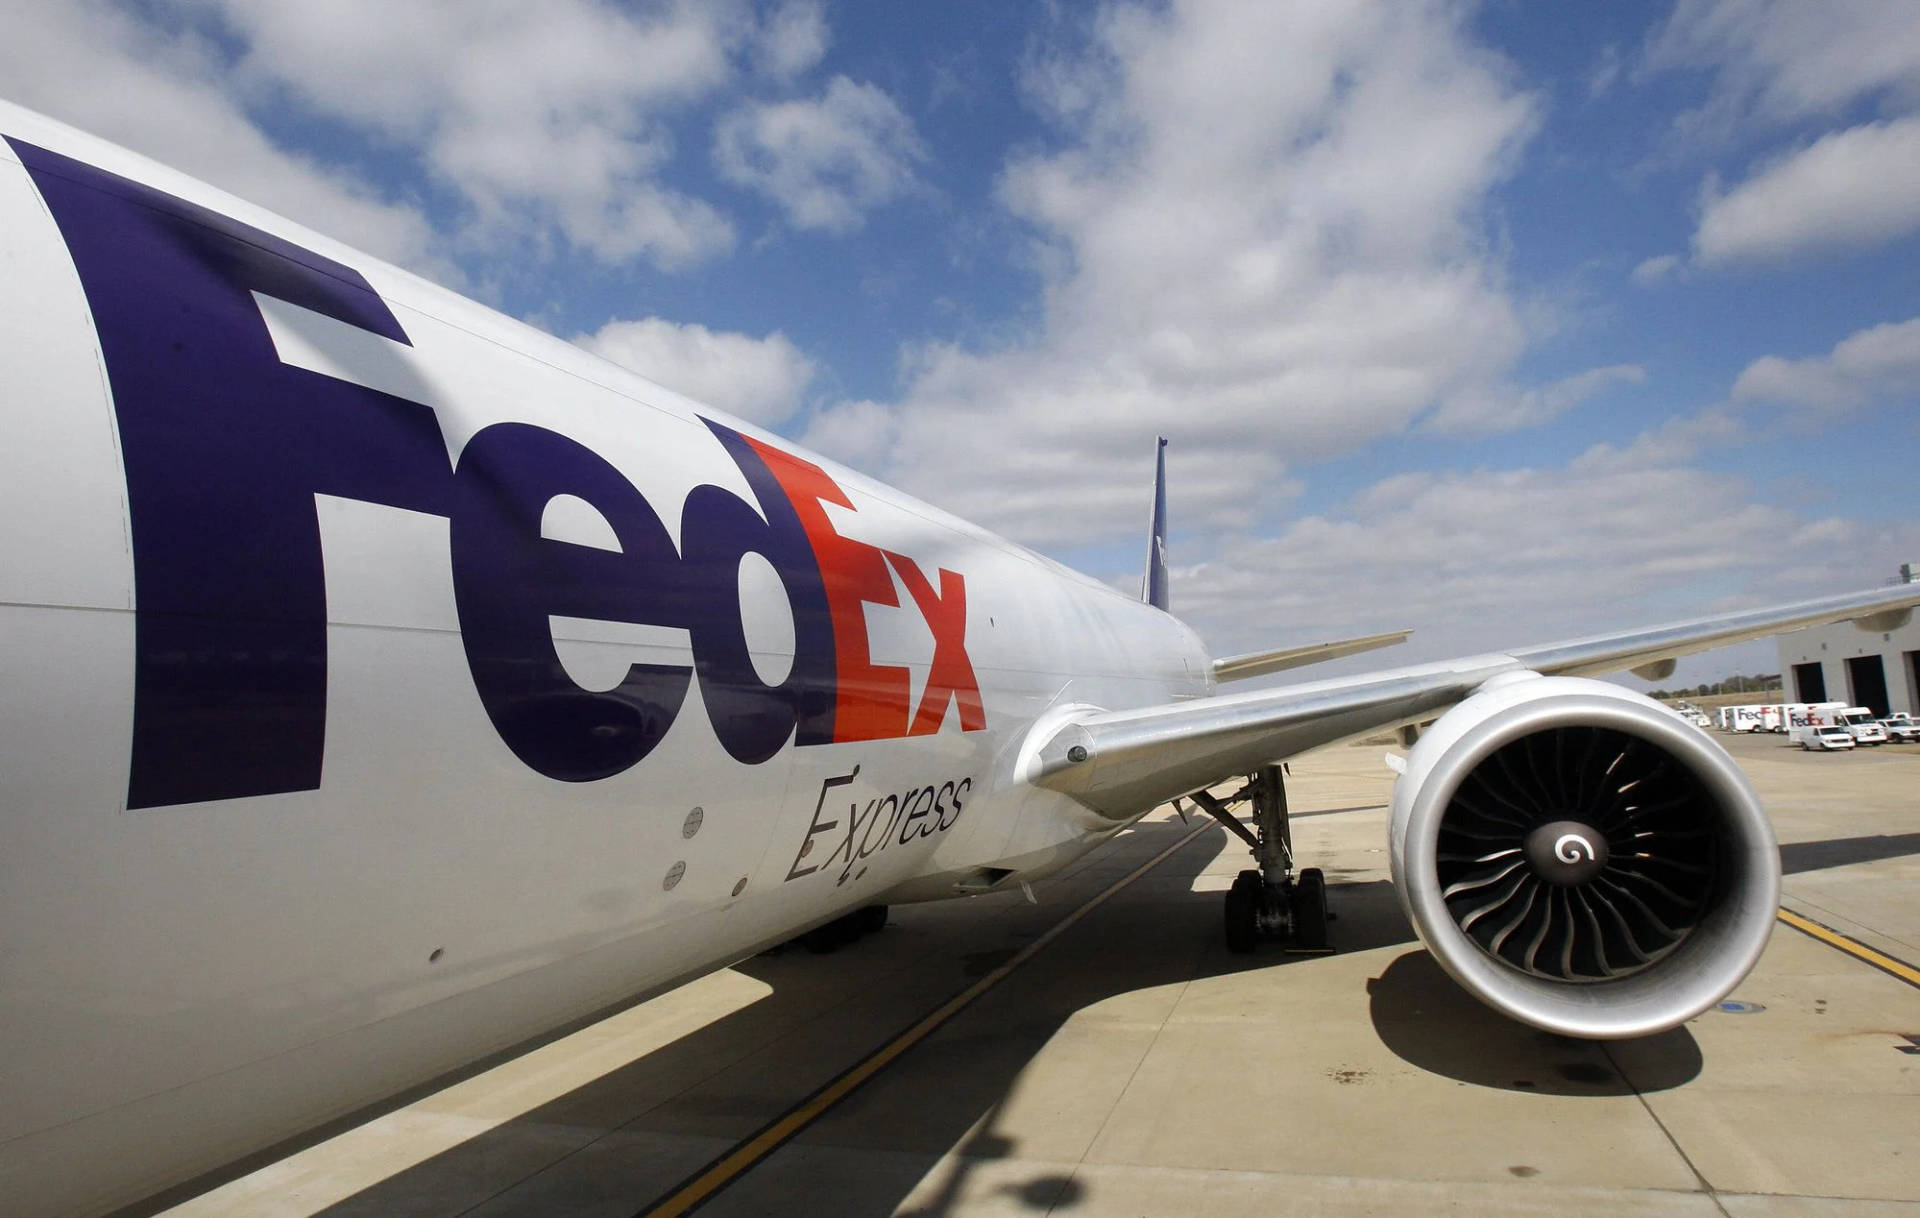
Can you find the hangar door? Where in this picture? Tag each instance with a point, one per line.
(1809, 682)
(1867, 679)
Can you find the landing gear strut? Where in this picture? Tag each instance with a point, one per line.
(1274, 901)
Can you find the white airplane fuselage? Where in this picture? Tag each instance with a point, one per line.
(386, 683)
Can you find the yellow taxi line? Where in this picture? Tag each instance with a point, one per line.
(725, 1169)
(1893, 966)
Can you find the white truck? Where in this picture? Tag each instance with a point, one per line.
(1824, 739)
(1800, 714)
(1743, 718)
(1857, 721)
(1691, 713)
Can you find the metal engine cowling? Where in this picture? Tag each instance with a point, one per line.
(1581, 859)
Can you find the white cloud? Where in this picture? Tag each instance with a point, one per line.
(859, 434)
(160, 93)
(1678, 440)
(1782, 60)
(1806, 65)
(545, 121)
(1262, 233)
(1604, 73)
(826, 163)
(1850, 189)
(1508, 410)
(540, 116)
(1654, 269)
(1878, 364)
(1599, 544)
(758, 379)
(794, 39)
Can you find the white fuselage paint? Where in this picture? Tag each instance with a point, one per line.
(182, 985)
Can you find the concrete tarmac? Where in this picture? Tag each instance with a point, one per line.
(1134, 1067)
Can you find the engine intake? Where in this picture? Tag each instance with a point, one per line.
(1581, 859)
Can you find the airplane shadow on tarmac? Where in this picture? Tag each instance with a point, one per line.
(1429, 1022)
(942, 1097)
(1798, 857)
(1432, 1023)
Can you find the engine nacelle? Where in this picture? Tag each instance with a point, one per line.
(1581, 859)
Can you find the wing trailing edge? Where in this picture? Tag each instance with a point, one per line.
(1280, 659)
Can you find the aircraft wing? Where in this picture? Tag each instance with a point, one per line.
(1121, 763)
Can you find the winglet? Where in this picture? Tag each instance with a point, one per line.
(1153, 584)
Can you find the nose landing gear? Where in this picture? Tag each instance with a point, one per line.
(1274, 901)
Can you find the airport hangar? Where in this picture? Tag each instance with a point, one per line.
(1875, 668)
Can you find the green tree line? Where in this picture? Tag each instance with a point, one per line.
(1758, 683)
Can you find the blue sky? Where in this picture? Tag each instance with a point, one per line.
(1506, 322)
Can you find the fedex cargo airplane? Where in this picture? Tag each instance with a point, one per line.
(384, 683)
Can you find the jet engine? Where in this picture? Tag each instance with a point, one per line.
(1581, 859)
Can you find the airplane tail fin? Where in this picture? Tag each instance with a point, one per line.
(1153, 584)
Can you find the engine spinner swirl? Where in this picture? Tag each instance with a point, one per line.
(1578, 853)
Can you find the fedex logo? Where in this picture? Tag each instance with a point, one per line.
(225, 447)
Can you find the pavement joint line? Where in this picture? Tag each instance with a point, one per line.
(1706, 1185)
(1121, 1095)
(1837, 920)
(708, 1181)
(1893, 966)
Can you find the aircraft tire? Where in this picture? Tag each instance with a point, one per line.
(1243, 911)
(1308, 904)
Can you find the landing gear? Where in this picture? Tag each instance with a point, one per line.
(1243, 912)
(1308, 905)
(1273, 901)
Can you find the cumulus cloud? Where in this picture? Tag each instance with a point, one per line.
(1675, 442)
(1849, 189)
(1605, 72)
(552, 113)
(1783, 60)
(860, 434)
(158, 91)
(758, 379)
(1505, 411)
(794, 39)
(1800, 64)
(1260, 231)
(1875, 365)
(546, 122)
(1598, 544)
(1654, 269)
(825, 162)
